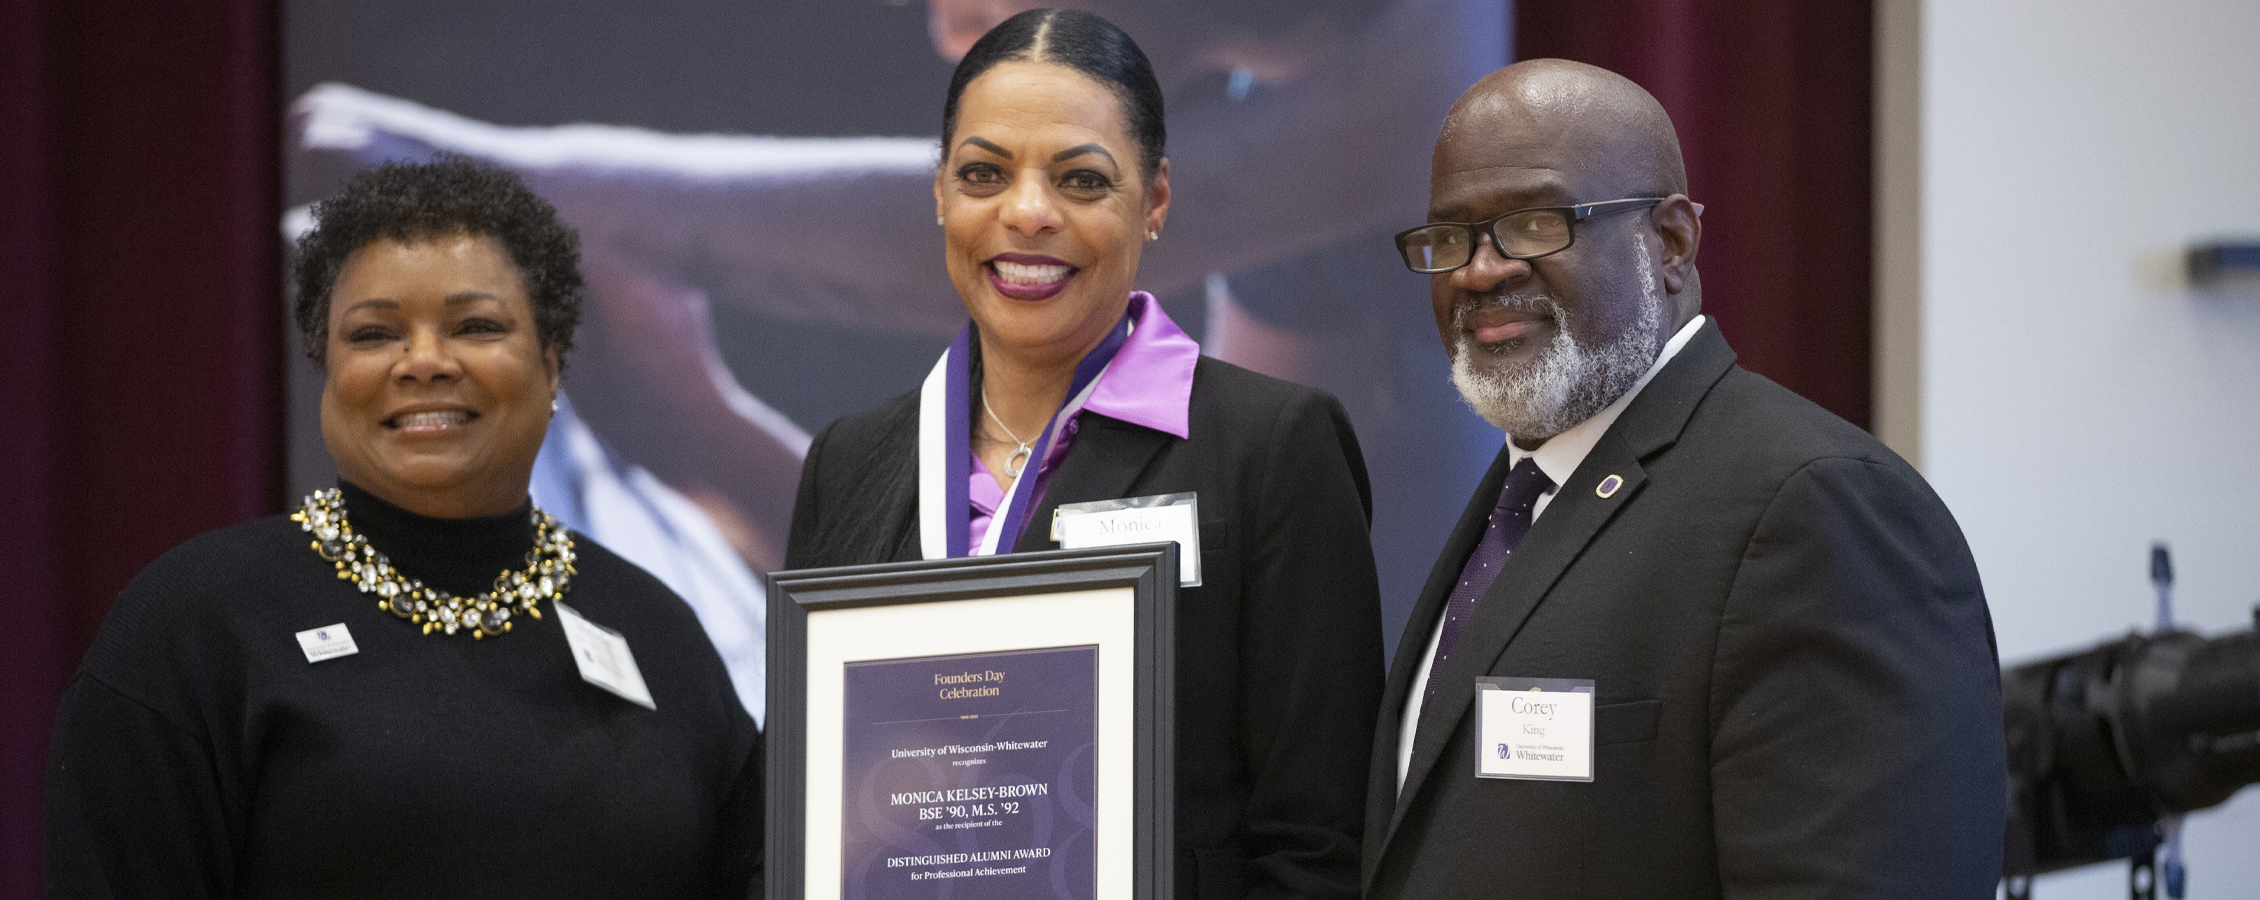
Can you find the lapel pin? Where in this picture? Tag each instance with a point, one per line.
(1608, 486)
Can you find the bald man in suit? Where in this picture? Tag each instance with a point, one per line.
(1793, 683)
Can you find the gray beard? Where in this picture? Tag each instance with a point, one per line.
(1566, 383)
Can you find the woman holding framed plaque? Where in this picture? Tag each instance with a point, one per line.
(1072, 406)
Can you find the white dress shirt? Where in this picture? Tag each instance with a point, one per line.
(1558, 457)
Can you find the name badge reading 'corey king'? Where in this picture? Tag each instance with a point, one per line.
(1538, 729)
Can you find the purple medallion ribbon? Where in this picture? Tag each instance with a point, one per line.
(958, 427)
(1011, 520)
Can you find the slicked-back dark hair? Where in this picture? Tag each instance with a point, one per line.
(1080, 41)
(451, 195)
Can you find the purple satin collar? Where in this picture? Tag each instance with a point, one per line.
(1151, 383)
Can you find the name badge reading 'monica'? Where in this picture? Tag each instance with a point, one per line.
(1136, 520)
(1538, 729)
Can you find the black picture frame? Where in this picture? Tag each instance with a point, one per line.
(1148, 570)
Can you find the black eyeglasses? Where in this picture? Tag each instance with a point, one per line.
(1523, 234)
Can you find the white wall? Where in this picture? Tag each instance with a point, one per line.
(2051, 371)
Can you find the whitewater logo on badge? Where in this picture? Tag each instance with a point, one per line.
(327, 642)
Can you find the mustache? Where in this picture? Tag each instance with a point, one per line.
(1531, 303)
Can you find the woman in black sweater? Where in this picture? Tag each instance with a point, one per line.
(347, 701)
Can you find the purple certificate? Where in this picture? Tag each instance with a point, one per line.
(971, 775)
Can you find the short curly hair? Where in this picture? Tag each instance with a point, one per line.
(450, 195)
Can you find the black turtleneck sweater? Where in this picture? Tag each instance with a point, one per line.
(198, 753)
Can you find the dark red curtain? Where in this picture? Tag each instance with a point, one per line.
(141, 354)
(1771, 98)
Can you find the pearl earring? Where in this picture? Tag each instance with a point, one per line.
(553, 406)
(938, 220)
(1152, 236)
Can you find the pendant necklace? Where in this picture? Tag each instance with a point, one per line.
(549, 571)
(1019, 458)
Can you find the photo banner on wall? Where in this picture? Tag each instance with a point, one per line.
(755, 203)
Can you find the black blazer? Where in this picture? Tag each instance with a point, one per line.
(1278, 650)
(1797, 690)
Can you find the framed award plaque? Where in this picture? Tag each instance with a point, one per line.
(995, 726)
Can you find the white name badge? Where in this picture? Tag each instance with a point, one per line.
(603, 657)
(1136, 520)
(1540, 729)
(327, 642)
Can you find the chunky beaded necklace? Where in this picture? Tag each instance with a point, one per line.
(549, 570)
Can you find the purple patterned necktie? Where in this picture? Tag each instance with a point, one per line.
(1510, 520)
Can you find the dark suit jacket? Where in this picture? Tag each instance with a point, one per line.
(1279, 649)
(1797, 690)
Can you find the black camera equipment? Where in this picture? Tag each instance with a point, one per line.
(2108, 747)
